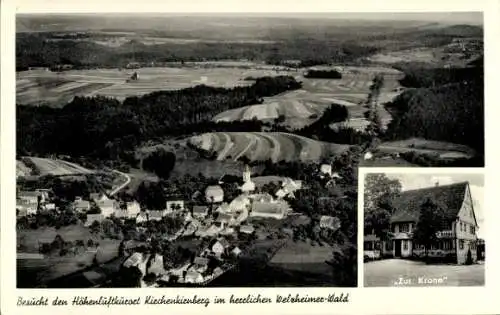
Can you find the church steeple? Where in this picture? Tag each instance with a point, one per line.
(246, 174)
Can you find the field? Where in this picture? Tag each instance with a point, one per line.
(39, 86)
(385, 273)
(55, 266)
(45, 166)
(304, 106)
(259, 146)
(445, 150)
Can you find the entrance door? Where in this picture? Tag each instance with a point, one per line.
(397, 248)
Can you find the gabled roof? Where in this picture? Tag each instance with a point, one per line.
(408, 203)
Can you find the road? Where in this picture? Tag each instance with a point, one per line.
(388, 272)
(117, 189)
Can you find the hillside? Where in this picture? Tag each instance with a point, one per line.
(259, 146)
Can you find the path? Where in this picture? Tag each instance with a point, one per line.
(228, 145)
(114, 191)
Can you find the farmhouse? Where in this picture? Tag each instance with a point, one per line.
(214, 194)
(33, 197)
(265, 209)
(107, 206)
(175, 205)
(81, 205)
(25, 207)
(458, 235)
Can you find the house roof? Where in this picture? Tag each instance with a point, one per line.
(215, 189)
(29, 194)
(82, 204)
(329, 221)
(224, 217)
(268, 207)
(202, 261)
(200, 209)
(94, 217)
(247, 228)
(408, 203)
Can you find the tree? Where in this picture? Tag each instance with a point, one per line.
(379, 190)
(429, 223)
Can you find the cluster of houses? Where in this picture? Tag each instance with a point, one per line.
(30, 202)
(454, 242)
(211, 262)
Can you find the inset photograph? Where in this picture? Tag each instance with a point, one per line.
(423, 228)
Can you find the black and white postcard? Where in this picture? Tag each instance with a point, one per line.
(212, 154)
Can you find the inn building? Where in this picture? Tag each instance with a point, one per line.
(454, 241)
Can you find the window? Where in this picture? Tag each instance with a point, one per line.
(405, 244)
(472, 229)
(461, 244)
(404, 228)
(368, 246)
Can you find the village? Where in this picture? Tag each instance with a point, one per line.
(218, 231)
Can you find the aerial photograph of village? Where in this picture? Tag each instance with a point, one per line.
(423, 229)
(222, 150)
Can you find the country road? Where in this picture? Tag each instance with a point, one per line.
(117, 189)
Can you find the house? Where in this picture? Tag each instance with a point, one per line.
(247, 229)
(193, 277)
(458, 235)
(81, 205)
(277, 210)
(239, 203)
(107, 206)
(225, 218)
(174, 205)
(156, 265)
(236, 251)
(200, 264)
(214, 194)
(128, 210)
(32, 197)
(156, 215)
(26, 207)
(325, 170)
(248, 184)
(200, 211)
(329, 222)
(91, 218)
(142, 217)
(220, 246)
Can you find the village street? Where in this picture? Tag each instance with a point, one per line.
(399, 272)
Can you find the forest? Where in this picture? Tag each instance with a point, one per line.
(118, 127)
(445, 105)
